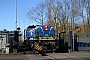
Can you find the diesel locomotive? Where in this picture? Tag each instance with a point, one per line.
(40, 38)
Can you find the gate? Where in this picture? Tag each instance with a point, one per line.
(63, 45)
(83, 41)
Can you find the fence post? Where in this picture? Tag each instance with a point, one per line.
(70, 45)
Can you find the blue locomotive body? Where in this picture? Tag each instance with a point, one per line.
(41, 38)
(46, 31)
(40, 32)
(29, 33)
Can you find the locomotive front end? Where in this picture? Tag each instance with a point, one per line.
(41, 38)
(47, 39)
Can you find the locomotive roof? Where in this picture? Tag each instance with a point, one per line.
(35, 26)
(31, 26)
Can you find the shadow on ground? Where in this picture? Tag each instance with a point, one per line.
(62, 49)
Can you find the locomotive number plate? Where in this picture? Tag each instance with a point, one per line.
(46, 34)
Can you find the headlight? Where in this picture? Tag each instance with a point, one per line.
(32, 44)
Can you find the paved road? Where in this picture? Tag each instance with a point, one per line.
(48, 56)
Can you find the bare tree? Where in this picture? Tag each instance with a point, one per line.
(37, 14)
(62, 14)
(87, 6)
(49, 14)
(81, 14)
(53, 8)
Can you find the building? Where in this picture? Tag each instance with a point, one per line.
(3, 40)
(6, 37)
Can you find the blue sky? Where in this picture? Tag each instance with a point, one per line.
(8, 13)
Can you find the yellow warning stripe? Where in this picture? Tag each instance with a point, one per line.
(37, 47)
(55, 47)
(46, 38)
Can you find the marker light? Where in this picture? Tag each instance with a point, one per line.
(45, 27)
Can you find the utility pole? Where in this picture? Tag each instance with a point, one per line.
(73, 33)
(24, 24)
(16, 14)
(29, 22)
(56, 31)
(42, 19)
(55, 18)
(19, 20)
(29, 18)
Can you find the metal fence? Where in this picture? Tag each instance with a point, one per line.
(83, 41)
